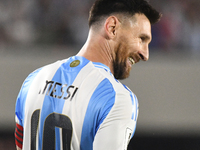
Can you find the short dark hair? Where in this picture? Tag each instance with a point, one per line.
(103, 8)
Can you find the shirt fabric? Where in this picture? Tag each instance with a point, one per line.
(75, 104)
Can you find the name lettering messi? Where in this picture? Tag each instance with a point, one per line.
(58, 90)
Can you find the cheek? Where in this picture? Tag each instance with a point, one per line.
(136, 44)
(123, 48)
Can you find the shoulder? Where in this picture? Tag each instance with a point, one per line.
(46, 69)
(105, 72)
(117, 96)
(40, 73)
(110, 90)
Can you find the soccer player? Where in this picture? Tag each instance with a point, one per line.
(78, 103)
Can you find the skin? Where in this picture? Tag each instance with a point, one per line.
(116, 40)
(119, 39)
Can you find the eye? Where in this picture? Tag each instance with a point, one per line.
(143, 38)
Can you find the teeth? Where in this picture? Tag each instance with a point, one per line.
(131, 60)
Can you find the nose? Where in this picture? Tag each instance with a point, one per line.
(144, 55)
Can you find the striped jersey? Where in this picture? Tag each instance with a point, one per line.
(75, 104)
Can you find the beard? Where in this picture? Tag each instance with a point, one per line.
(121, 70)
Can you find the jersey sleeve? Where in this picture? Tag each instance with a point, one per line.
(20, 106)
(18, 109)
(119, 124)
(21, 99)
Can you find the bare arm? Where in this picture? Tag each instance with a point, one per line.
(18, 148)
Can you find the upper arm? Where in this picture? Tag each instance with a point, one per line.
(118, 126)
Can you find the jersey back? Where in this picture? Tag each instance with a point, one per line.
(75, 104)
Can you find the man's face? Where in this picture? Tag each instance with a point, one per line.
(131, 45)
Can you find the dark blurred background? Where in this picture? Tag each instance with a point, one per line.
(34, 33)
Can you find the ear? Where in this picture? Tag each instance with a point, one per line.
(111, 26)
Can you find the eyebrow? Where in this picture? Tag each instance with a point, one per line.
(147, 37)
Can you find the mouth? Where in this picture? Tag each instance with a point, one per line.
(132, 61)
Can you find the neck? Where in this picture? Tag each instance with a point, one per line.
(97, 49)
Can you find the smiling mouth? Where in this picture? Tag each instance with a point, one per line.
(131, 60)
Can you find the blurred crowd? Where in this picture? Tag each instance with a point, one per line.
(179, 28)
(64, 22)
